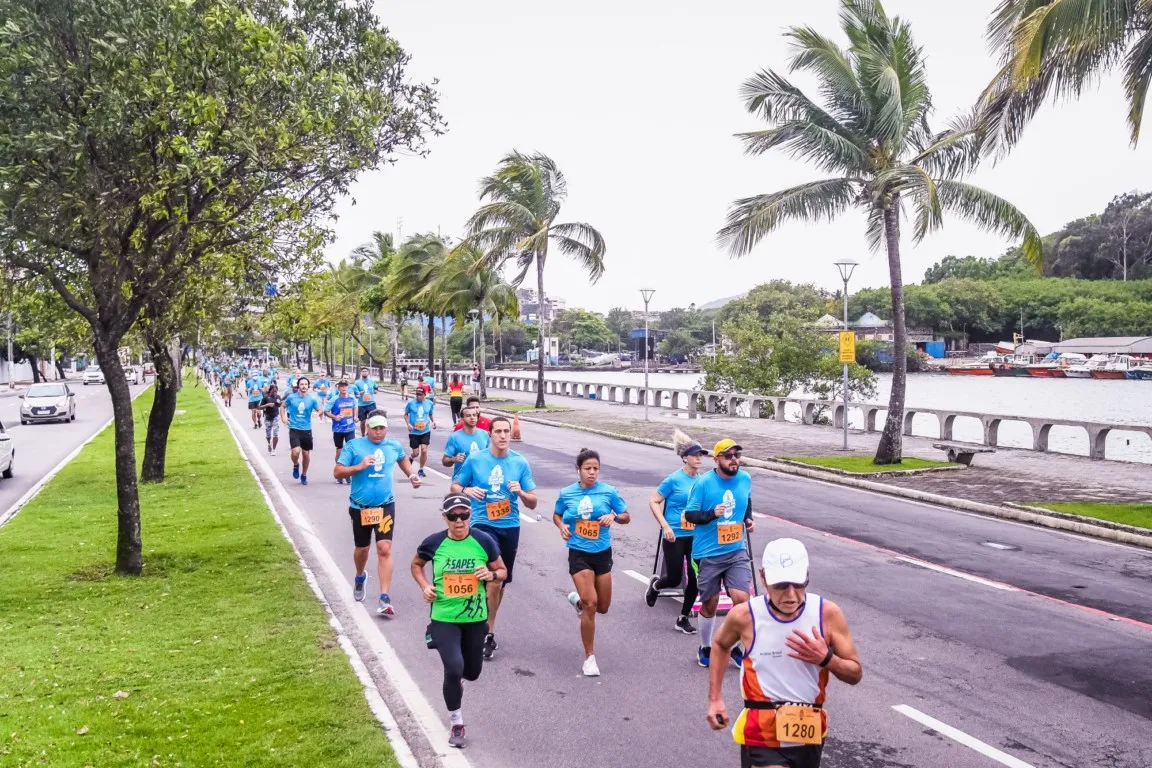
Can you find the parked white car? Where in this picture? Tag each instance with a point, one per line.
(7, 453)
(48, 401)
(132, 374)
(92, 375)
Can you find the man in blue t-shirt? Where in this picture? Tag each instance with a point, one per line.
(367, 462)
(254, 385)
(322, 388)
(226, 379)
(465, 441)
(720, 506)
(497, 481)
(297, 412)
(364, 390)
(420, 422)
(342, 411)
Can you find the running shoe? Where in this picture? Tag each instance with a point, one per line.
(339, 481)
(420, 474)
(685, 626)
(456, 737)
(269, 446)
(490, 646)
(737, 655)
(295, 471)
(590, 668)
(574, 601)
(651, 596)
(384, 606)
(273, 451)
(703, 656)
(303, 479)
(358, 588)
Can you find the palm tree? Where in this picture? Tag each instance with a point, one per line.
(377, 258)
(468, 281)
(872, 134)
(413, 270)
(1055, 48)
(518, 221)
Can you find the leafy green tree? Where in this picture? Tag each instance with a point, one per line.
(678, 343)
(778, 297)
(466, 282)
(1053, 49)
(583, 329)
(376, 259)
(518, 222)
(621, 321)
(137, 136)
(872, 135)
(414, 269)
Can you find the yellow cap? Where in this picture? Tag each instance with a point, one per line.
(724, 445)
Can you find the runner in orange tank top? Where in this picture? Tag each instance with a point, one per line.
(794, 639)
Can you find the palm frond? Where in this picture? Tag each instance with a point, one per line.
(992, 213)
(1137, 77)
(750, 219)
(584, 243)
(828, 150)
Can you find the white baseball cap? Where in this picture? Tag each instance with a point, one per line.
(785, 561)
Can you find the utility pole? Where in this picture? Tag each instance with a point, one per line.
(11, 367)
(846, 267)
(646, 294)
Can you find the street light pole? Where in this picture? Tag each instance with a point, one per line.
(846, 267)
(646, 294)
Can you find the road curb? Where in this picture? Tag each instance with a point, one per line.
(1018, 513)
(863, 475)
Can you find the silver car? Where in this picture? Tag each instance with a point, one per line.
(92, 375)
(48, 401)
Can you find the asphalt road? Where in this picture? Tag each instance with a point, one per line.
(1033, 651)
(40, 447)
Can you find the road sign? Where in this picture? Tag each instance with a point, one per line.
(847, 346)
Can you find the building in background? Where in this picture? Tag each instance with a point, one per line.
(530, 310)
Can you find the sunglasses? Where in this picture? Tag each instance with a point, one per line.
(457, 517)
(731, 455)
(785, 584)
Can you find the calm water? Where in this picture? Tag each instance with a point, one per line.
(1111, 401)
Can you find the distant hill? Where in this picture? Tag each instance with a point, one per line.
(719, 303)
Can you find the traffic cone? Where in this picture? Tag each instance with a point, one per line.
(516, 427)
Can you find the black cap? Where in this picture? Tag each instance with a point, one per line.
(454, 500)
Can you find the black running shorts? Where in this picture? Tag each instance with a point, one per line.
(599, 563)
(807, 756)
(342, 437)
(508, 540)
(300, 438)
(362, 534)
(415, 441)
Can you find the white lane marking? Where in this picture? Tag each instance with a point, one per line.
(400, 747)
(423, 713)
(996, 545)
(760, 515)
(640, 578)
(957, 574)
(39, 485)
(959, 736)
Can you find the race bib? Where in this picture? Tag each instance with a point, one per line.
(346, 413)
(460, 584)
(371, 516)
(588, 529)
(684, 524)
(498, 509)
(729, 533)
(798, 723)
(365, 396)
(420, 426)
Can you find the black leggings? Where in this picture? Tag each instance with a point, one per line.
(461, 648)
(457, 405)
(677, 554)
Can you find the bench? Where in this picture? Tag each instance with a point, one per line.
(962, 454)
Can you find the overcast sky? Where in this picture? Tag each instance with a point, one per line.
(638, 103)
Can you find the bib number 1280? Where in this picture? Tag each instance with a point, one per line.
(798, 725)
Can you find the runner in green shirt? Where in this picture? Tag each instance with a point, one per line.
(461, 558)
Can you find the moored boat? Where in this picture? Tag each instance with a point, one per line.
(971, 369)
(1141, 372)
(1116, 367)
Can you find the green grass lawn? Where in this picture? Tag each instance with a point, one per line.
(1130, 514)
(219, 656)
(531, 408)
(864, 465)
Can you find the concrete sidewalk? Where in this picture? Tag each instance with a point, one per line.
(1009, 475)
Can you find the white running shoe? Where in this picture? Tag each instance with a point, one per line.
(574, 601)
(590, 668)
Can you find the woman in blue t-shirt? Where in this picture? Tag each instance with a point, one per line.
(584, 515)
(667, 505)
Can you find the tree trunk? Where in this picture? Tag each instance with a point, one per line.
(891, 449)
(60, 369)
(344, 355)
(311, 368)
(36, 378)
(327, 357)
(395, 346)
(444, 352)
(540, 330)
(431, 343)
(480, 357)
(499, 341)
(129, 561)
(162, 413)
